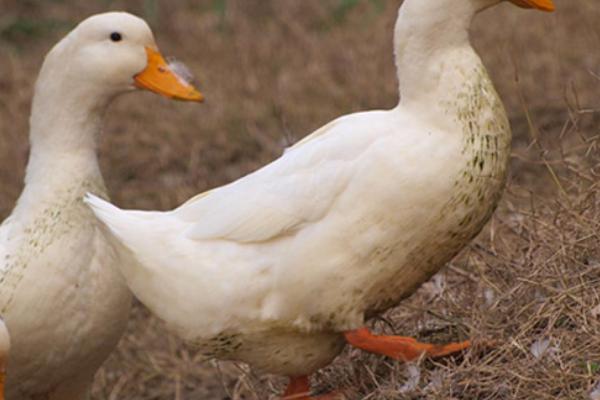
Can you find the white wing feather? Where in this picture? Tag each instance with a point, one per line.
(297, 189)
(260, 211)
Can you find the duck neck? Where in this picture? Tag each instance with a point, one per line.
(64, 128)
(431, 39)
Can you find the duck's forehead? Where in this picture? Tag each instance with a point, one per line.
(102, 24)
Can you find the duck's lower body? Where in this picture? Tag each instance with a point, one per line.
(297, 355)
(63, 326)
(63, 377)
(61, 364)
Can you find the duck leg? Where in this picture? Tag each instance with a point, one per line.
(299, 389)
(400, 347)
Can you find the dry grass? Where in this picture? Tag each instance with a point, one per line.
(273, 70)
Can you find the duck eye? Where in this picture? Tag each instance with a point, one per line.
(116, 37)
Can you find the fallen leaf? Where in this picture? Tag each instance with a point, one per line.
(595, 393)
(541, 348)
(412, 382)
(489, 296)
(436, 286)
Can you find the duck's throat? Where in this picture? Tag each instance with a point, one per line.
(64, 131)
(431, 36)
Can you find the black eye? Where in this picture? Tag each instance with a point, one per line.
(116, 37)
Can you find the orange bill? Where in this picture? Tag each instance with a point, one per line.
(544, 5)
(159, 78)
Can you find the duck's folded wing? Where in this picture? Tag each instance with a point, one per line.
(297, 189)
(258, 210)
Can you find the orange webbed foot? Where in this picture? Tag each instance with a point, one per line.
(299, 389)
(400, 347)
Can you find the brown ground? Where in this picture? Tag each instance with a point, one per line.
(273, 70)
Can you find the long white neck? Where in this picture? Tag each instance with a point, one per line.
(430, 36)
(66, 120)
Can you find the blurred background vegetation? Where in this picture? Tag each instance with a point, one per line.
(273, 71)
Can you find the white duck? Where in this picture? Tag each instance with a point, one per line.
(63, 301)
(281, 268)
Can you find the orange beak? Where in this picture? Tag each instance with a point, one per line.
(544, 5)
(159, 78)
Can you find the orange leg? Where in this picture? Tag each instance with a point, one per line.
(400, 347)
(299, 389)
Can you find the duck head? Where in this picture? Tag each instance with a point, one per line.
(108, 54)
